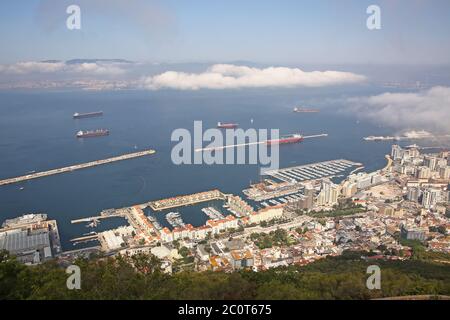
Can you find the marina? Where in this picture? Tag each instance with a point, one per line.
(289, 199)
(76, 167)
(312, 171)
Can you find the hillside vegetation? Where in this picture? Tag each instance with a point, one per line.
(341, 277)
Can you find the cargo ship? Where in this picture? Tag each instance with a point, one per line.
(87, 115)
(226, 125)
(92, 133)
(293, 138)
(304, 110)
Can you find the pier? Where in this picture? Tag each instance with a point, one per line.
(76, 167)
(312, 171)
(92, 219)
(85, 238)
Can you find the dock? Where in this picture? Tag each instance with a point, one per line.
(76, 167)
(85, 238)
(91, 219)
(312, 171)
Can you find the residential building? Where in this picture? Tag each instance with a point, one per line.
(266, 214)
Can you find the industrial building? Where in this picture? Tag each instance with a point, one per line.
(31, 238)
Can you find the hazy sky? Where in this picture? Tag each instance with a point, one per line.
(275, 32)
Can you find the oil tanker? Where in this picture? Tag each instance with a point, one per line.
(87, 115)
(227, 125)
(92, 133)
(293, 138)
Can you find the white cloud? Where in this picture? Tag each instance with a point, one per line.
(94, 68)
(226, 76)
(34, 67)
(428, 109)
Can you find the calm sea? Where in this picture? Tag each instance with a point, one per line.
(37, 133)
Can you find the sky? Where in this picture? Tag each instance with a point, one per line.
(280, 32)
(235, 44)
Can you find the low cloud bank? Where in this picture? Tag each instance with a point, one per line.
(33, 67)
(227, 76)
(219, 76)
(428, 109)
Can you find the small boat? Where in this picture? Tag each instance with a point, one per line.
(22, 188)
(92, 224)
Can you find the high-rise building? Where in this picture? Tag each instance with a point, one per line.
(329, 193)
(396, 152)
(441, 162)
(431, 162)
(408, 169)
(423, 172)
(349, 189)
(444, 172)
(303, 203)
(431, 197)
(413, 194)
(414, 152)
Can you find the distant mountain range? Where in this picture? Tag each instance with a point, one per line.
(80, 61)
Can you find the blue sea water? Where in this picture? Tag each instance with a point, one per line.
(37, 132)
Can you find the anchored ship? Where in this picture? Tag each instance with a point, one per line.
(87, 115)
(92, 133)
(293, 138)
(226, 125)
(304, 110)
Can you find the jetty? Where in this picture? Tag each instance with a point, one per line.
(76, 167)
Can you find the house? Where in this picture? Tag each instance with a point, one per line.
(242, 259)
